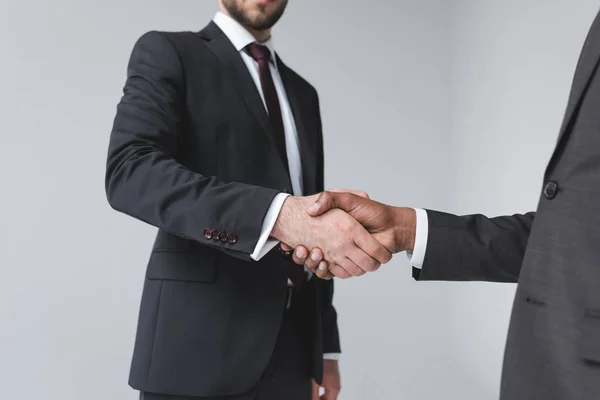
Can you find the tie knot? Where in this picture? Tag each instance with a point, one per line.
(259, 52)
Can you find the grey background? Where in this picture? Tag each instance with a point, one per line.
(453, 105)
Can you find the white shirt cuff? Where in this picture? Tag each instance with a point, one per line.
(417, 256)
(331, 356)
(265, 243)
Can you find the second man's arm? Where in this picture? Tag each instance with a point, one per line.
(458, 248)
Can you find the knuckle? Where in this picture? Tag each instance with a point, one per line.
(340, 223)
(347, 227)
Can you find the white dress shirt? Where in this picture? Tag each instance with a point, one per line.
(240, 38)
(417, 256)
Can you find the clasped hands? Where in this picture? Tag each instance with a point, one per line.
(343, 233)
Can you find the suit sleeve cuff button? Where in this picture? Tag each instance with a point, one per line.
(232, 238)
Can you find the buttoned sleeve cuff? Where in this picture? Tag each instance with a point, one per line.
(331, 356)
(265, 242)
(417, 256)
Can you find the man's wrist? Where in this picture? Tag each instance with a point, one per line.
(265, 241)
(278, 231)
(405, 226)
(287, 218)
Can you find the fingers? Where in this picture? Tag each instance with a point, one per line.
(363, 261)
(340, 271)
(300, 255)
(315, 391)
(320, 267)
(323, 271)
(314, 262)
(328, 200)
(372, 247)
(285, 247)
(311, 261)
(349, 252)
(352, 267)
(330, 394)
(316, 256)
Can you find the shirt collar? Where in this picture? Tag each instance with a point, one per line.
(238, 35)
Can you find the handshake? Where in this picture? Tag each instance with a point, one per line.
(343, 233)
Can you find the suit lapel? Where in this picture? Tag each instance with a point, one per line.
(586, 66)
(300, 110)
(224, 50)
(242, 80)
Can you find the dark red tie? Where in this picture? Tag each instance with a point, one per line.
(261, 54)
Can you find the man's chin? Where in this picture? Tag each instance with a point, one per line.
(260, 28)
(261, 24)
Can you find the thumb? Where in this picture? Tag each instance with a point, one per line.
(325, 202)
(328, 200)
(360, 193)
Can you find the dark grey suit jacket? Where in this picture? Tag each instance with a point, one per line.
(192, 153)
(553, 347)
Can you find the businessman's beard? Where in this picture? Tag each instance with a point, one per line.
(260, 20)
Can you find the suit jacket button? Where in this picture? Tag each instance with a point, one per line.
(208, 233)
(223, 237)
(215, 234)
(232, 238)
(550, 190)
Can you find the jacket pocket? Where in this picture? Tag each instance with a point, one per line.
(187, 266)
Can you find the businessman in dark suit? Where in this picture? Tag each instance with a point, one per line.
(553, 346)
(211, 137)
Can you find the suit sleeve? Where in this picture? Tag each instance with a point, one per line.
(474, 247)
(145, 180)
(331, 338)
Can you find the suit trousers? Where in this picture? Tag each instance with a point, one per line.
(285, 377)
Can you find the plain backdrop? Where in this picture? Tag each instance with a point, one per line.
(451, 105)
